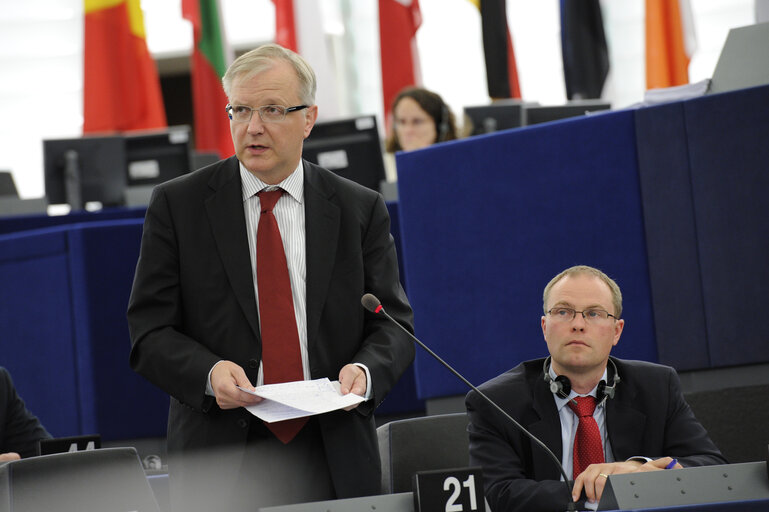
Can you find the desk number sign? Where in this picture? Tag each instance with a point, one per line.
(449, 490)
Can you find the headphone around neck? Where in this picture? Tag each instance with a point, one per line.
(561, 385)
(443, 126)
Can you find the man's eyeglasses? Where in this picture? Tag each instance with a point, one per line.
(267, 113)
(594, 315)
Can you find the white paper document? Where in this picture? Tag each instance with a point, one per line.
(289, 400)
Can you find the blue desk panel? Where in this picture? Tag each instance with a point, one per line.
(671, 237)
(487, 221)
(728, 138)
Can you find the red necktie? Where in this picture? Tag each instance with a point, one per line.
(281, 357)
(588, 448)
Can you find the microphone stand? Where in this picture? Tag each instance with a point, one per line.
(377, 308)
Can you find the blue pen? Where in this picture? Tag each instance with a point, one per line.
(672, 464)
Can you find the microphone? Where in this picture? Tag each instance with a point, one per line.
(372, 304)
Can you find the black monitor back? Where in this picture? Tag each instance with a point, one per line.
(68, 444)
(535, 114)
(157, 156)
(350, 148)
(7, 185)
(201, 159)
(502, 115)
(100, 162)
(106, 480)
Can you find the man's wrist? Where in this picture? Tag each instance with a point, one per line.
(369, 387)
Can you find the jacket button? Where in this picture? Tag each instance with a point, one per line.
(242, 423)
(253, 363)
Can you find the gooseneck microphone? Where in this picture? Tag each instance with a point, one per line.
(372, 304)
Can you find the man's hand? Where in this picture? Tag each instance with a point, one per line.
(225, 376)
(352, 379)
(593, 479)
(5, 457)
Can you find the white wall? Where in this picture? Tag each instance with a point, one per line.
(41, 58)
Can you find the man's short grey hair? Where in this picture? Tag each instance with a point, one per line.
(616, 294)
(263, 58)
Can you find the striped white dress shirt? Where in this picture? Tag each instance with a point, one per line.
(289, 213)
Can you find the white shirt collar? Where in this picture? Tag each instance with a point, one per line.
(293, 184)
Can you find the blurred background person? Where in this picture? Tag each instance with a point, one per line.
(420, 118)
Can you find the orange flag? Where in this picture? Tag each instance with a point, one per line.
(121, 87)
(668, 46)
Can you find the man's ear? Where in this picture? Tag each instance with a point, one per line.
(310, 117)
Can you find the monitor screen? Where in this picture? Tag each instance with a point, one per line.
(535, 114)
(85, 169)
(350, 148)
(501, 115)
(157, 156)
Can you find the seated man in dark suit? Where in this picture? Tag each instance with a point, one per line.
(20, 430)
(600, 415)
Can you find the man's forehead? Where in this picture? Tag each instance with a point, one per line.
(579, 286)
(278, 80)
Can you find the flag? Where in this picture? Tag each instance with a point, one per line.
(121, 89)
(285, 26)
(583, 48)
(670, 42)
(501, 69)
(210, 59)
(398, 24)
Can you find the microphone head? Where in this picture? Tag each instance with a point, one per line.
(371, 303)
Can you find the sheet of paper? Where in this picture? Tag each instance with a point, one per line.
(289, 400)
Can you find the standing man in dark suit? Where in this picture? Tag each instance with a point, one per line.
(20, 430)
(640, 421)
(197, 316)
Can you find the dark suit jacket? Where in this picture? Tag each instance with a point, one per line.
(20, 430)
(193, 304)
(647, 417)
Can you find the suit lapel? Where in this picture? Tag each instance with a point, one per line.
(225, 212)
(322, 217)
(547, 430)
(625, 424)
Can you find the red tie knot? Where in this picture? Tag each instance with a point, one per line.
(584, 406)
(267, 199)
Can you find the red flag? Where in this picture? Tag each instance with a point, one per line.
(121, 89)
(667, 58)
(209, 63)
(285, 25)
(398, 24)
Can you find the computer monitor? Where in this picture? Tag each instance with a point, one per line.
(156, 156)
(535, 114)
(7, 185)
(350, 148)
(86, 169)
(501, 115)
(153, 157)
(201, 159)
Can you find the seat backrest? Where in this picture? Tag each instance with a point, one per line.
(736, 419)
(421, 444)
(110, 479)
